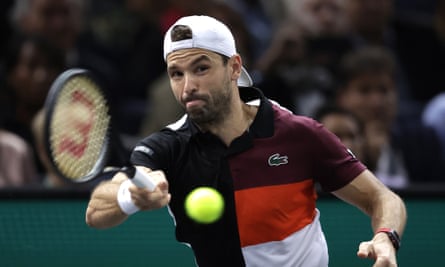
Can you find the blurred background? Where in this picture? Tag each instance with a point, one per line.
(372, 72)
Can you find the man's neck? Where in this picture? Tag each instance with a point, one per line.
(236, 123)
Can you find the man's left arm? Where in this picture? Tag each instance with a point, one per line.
(387, 212)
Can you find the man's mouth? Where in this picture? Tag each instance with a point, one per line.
(193, 103)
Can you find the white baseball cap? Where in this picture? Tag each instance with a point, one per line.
(207, 33)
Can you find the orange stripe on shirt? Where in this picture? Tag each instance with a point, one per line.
(271, 213)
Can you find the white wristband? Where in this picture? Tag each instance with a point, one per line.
(124, 199)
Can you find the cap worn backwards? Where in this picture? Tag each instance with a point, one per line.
(207, 33)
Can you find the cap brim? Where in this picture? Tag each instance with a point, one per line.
(244, 79)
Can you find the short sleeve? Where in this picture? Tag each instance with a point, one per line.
(154, 151)
(334, 165)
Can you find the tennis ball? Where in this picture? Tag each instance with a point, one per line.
(204, 205)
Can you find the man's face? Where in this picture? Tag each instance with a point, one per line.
(202, 84)
(372, 97)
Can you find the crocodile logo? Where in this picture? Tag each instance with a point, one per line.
(277, 160)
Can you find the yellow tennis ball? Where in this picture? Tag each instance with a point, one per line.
(204, 205)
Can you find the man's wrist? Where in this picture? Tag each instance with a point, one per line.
(124, 198)
(392, 235)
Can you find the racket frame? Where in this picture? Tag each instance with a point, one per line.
(50, 103)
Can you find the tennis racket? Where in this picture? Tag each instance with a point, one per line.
(78, 130)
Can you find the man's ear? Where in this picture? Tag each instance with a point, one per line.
(236, 67)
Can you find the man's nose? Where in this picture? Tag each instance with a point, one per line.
(190, 85)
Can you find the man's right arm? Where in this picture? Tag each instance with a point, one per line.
(103, 209)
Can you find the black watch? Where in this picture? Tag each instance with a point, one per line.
(393, 236)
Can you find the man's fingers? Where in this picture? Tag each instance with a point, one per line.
(163, 186)
(153, 200)
(365, 250)
(384, 262)
(380, 252)
(147, 200)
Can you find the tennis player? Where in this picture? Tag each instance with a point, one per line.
(262, 158)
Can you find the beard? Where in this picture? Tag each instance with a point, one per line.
(215, 109)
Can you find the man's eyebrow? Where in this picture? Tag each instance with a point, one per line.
(199, 59)
(194, 62)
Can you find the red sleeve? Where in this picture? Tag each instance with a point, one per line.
(334, 165)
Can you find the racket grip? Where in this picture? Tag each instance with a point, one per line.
(140, 178)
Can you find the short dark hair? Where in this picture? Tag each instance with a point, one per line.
(370, 59)
(183, 32)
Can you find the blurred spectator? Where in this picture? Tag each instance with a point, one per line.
(5, 26)
(17, 167)
(399, 150)
(56, 20)
(346, 126)
(133, 27)
(259, 18)
(31, 66)
(318, 17)
(298, 68)
(283, 68)
(372, 23)
(62, 24)
(326, 28)
(420, 44)
(434, 117)
(179, 8)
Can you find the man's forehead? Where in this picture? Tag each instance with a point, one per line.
(190, 55)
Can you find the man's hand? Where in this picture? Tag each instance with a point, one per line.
(147, 200)
(380, 249)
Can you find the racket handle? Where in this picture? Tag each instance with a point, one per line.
(140, 178)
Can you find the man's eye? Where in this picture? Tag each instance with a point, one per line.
(175, 74)
(202, 69)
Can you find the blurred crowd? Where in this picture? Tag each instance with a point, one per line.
(373, 72)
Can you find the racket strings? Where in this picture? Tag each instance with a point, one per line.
(79, 127)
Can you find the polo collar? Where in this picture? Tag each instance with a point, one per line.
(262, 125)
